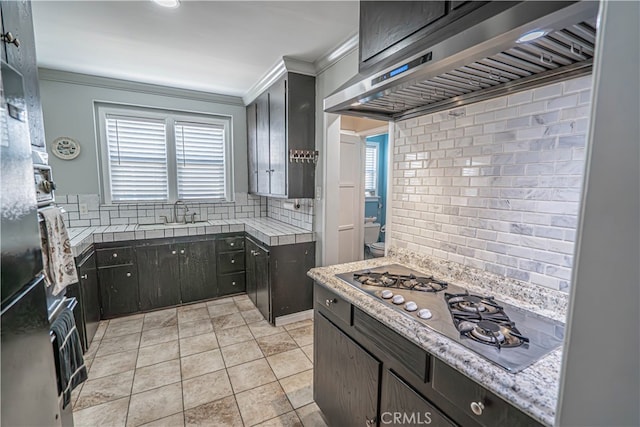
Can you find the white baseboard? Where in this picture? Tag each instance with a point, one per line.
(294, 317)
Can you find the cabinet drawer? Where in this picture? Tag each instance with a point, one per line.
(231, 284)
(399, 348)
(471, 397)
(332, 303)
(233, 243)
(230, 262)
(115, 256)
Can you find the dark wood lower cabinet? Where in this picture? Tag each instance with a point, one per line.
(159, 276)
(345, 377)
(90, 295)
(263, 296)
(118, 290)
(197, 271)
(401, 405)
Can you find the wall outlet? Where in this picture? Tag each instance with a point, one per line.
(83, 208)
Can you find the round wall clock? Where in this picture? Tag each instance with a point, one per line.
(65, 148)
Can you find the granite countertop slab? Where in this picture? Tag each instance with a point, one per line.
(533, 390)
(268, 231)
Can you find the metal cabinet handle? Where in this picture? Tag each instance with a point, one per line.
(173, 252)
(233, 261)
(181, 251)
(84, 276)
(115, 255)
(233, 283)
(477, 407)
(8, 38)
(232, 244)
(128, 274)
(330, 301)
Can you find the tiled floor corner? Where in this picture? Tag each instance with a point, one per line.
(217, 363)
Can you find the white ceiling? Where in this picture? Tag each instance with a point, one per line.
(214, 46)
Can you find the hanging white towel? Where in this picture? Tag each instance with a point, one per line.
(59, 266)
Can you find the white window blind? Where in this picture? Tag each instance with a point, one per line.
(200, 160)
(137, 157)
(371, 170)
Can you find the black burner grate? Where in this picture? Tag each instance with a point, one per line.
(400, 281)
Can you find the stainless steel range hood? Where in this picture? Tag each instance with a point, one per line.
(481, 62)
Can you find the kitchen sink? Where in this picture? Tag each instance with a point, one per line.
(172, 225)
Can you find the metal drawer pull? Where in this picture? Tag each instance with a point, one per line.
(181, 251)
(173, 252)
(128, 274)
(233, 283)
(233, 261)
(115, 255)
(84, 276)
(232, 244)
(328, 302)
(477, 407)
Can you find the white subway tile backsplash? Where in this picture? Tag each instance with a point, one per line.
(499, 186)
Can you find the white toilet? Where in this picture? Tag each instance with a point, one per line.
(371, 235)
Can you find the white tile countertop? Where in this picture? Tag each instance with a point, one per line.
(533, 390)
(269, 231)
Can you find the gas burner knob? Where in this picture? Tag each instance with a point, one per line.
(424, 313)
(398, 299)
(386, 294)
(411, 306)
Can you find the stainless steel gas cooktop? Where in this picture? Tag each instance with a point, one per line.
(506, 335)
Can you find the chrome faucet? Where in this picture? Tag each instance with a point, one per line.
(175, 211)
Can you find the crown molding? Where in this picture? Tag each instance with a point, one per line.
(337, 53)
(148, 88)
(282, 66)
(287, 64)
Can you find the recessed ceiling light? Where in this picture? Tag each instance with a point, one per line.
(531, 36)
(172, 4)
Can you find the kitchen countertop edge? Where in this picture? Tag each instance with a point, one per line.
(533, 390)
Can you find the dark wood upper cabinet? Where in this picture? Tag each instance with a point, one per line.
(284, 121)
(17, 20)
(393, 30)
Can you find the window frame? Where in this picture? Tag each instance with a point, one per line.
(376, 162)
(170, 117)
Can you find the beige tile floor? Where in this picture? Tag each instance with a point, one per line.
(217, 363)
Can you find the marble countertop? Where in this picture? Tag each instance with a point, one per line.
(269, 231)
(534, 390)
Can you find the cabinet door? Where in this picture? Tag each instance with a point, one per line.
(399, 401)
(198, 271)
(263, 291)
(118, 290)
(250, 266)
(262, 143)
(17, 19)
(252, 141)
(90, 295)
(345, 377)
(291, 288)
(159, 273)
(385, 23)
(278, 137)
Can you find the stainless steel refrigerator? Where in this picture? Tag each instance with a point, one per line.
(29, 388)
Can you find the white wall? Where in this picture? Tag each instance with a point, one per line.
(327, 82)
(68, 108)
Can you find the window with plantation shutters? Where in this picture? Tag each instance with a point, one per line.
(371, 170)
(162, 156)
(200, 160)
(137, 159)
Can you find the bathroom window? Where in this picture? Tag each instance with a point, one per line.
(163, 156)
(371, 170)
